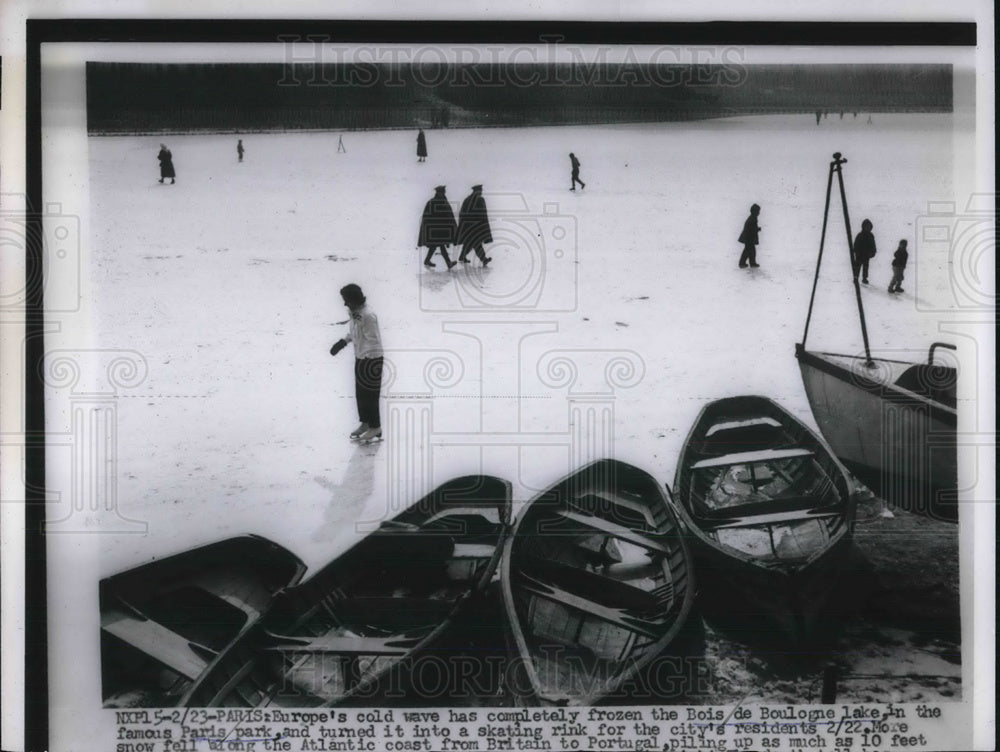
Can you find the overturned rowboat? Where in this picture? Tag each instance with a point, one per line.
(163, 623)
(352, 632)
(770, 513)
(596, 581)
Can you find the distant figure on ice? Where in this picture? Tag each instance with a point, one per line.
(368, 359)
(341, 149)
(239, 150)
(864, 250)
(474, 226)
(575, 164)
(898, 265)
(749, 238)
(421, 147)
(437, 227)
(819, 114)
(166, 164)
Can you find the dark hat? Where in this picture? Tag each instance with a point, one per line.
(866, 224)
(352, 294)
(477, 187)
(439, 188)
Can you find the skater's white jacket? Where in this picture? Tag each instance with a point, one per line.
(364, 334)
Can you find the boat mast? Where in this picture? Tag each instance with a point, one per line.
(822, 240)
(835, 167)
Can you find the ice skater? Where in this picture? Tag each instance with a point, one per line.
(166, 164)
(341, 149)
(864, 251)
(898, 265)
(749, 238)
(368, 360)
(239, 150)
(437, 227)
(421, 146)
(575, 176)
(474, 226)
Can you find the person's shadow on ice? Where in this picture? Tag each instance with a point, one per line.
(347, 498)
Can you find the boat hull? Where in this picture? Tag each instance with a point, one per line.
(744, 583)
(597, 583)
(901, 444)
(352, 633)
(162, 623)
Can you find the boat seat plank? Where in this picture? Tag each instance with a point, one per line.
(763, 455)
(488, 512)
(156, 641)
(616, 616)
(391, 610)
(748, 423)
(775, 519)
(612, 592)
(618, 531)
(347, 645)
(473, 551)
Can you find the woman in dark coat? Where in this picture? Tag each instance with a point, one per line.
(437, 227)
(166, 163)
(421, 146)
(750, 237)
(474, 226)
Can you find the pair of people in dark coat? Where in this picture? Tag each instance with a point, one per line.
(750, 237)
(864, 250)
(166, 164)
(438, 228)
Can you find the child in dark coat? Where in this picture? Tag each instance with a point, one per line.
(899, 259)
(749, 238)
(864, 250)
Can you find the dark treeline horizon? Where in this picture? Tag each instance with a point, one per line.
(160, 97)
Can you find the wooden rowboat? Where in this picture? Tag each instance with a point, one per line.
(354, 629)
(163, 623)
(596, 582)
(770, 513)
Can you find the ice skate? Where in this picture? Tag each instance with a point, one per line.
(371, 436)
(429, 264)
(487, 260)
(452, 263)
(359, 430)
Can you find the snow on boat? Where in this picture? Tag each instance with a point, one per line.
(357, 626)
(164, 622)
(770, 513)
(596, 581)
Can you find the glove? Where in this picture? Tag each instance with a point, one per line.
(339, 345)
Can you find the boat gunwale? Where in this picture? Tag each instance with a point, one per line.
(891, 391)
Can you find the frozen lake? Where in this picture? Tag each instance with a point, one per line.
(607, 319)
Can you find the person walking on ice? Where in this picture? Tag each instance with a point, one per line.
(864, 251)
(341, 149)
(239, 150)
(166, 164)
(437, 227)
(749, 238)
(421, 146)
(368, 361)
(474, 226)
(575, 175)
(898, 265)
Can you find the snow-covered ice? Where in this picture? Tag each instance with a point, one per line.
(227, 285)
